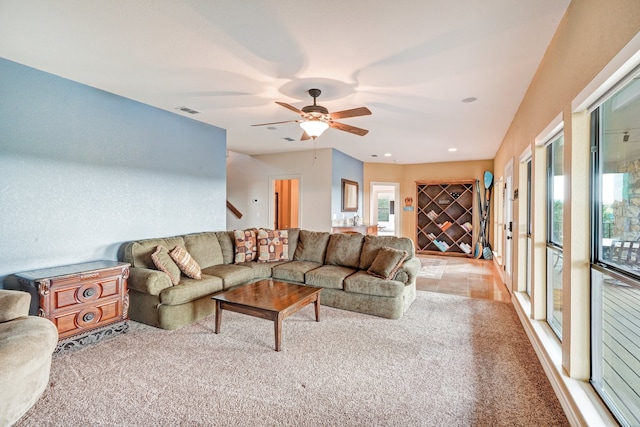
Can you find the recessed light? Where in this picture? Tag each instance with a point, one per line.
(387, 154)
(453, 149)
(470, 99)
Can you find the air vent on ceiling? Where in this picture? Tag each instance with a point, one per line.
(288, 139)
(188, 110)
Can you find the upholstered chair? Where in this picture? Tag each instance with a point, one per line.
(26, 347)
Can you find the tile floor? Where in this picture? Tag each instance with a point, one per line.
(475, 278)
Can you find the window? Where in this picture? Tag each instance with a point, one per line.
(555, 211)
(615, 271)
(383, 209)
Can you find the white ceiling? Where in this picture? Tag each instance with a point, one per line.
(411, 62)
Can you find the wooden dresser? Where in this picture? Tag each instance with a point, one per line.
(86, 302)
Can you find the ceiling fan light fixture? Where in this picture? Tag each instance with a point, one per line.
(314, 127)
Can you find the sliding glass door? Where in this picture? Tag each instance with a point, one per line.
(555, 212)
(616, 253)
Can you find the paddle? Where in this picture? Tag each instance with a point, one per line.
(488, 184)
(477, 251)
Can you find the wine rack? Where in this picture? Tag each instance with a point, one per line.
(444, 217)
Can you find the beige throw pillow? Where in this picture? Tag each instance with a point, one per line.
(246, 245)
(187, 264)
(273, 245)
(164, 263)
(387, 262)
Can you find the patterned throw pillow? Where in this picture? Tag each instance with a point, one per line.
(387, 262)
(187, 264)
(164, 263)
(273, 245)
(246, 245)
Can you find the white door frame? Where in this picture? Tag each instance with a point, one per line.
(373, 208)
(509, 226)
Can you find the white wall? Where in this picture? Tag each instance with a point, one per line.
(248, 179)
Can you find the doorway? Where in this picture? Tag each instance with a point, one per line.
(285, 203)
(383, 208)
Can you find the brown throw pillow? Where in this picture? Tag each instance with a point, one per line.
(273, 245)
(387, 262)
(246, 245)
(187, 264)
(164, 263)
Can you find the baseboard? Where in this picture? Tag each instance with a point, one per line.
(579, 400)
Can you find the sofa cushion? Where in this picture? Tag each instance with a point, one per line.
(13, 304)
(165, 263)
(138, 254)
(293, 235)
(261, 270)
(190, 290)
(312, 246)
(186, 263)
(204, 248)
(328, 276)
(226, 239)
(362, 282)
(231, 274)
(373, 243)
(246, 245)
(273, 245)
(293, 271)
(344, 249)
(387, 262)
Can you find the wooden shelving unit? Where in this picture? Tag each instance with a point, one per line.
(444, 217)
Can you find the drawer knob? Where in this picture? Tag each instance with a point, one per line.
(88, 317)
(89, 292)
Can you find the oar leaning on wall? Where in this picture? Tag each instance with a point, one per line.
(482, 247)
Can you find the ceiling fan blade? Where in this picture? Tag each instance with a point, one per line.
(304, 136)
(348, 128)
(277, 123)
(354, 112)
(290, 107)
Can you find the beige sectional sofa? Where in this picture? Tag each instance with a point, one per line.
(26, 348)
(338, 263)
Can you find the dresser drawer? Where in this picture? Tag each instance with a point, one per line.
(81, 292)
(84, 317)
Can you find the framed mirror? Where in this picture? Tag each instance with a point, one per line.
(349, 196)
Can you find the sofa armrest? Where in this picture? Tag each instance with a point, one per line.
(408, 271)
(13, 304)
(148, 281)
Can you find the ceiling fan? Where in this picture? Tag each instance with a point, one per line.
(316, 118)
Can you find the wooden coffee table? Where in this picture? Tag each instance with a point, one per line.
(267, 299)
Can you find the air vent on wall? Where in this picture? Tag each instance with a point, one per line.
(188, 110)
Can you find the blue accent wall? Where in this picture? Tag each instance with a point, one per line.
(83, 170)
(347, 167)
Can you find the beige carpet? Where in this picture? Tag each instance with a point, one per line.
(451, 361)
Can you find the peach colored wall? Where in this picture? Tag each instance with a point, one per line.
(407, 175)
